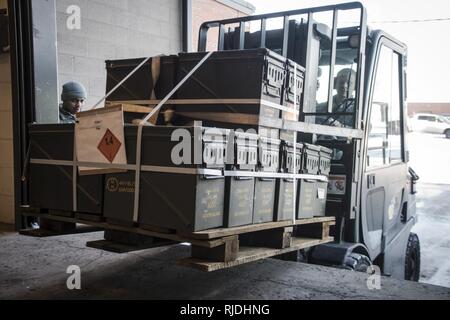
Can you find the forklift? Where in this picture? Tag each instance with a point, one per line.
(371, 189)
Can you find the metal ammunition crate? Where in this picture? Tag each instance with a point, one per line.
(50, 172)
(268, 162)
(237, 74)
(311, 159)
(141, 85)
(290, 85)
(325, 161)
(177, 196)
(285, 194)
(288, 96)
(239, 189)
(312, 193)
(256, 74)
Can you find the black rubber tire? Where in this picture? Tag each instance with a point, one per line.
(412, 259)
(357, 262)
(447, 133)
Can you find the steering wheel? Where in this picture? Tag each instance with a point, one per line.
(330, 121)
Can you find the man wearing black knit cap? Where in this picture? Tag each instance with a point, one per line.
(73, 97)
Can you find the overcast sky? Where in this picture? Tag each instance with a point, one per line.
(428, 42)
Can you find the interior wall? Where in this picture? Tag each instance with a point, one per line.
(119, 29)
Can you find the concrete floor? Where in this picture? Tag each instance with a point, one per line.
(32, 268)
(36, 268)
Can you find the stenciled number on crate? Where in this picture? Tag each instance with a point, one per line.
(100, 140)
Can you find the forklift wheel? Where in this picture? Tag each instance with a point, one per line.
(357, 262)
(412, 260)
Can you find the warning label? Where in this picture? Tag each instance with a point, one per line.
(336, 184)
(109, 146)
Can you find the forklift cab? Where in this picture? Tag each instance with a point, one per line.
(370, 190)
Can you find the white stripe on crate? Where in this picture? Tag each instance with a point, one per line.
(52, 162)
(275, 175)
(277, 106)
(181, 102)
(130, 167)
(192, 171)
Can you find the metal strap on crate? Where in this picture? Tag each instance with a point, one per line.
(140, 130)
(75, 176)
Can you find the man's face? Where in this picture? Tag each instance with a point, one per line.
(345, 84)
(74, 106)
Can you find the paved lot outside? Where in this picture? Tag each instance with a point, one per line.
(430, 158)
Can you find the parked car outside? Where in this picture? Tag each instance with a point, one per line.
(431, 123)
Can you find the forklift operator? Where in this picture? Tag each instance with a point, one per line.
(343, 101)
(73, 97)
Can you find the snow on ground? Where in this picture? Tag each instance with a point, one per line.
(430, 158)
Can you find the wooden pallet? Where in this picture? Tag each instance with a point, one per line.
(125, 242)
(216, 249)
(245, 247)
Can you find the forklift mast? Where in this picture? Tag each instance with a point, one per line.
(324, 42)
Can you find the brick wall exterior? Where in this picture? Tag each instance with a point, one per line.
(207, 10)
(436, 108)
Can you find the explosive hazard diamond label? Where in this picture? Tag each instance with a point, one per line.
(109, 146)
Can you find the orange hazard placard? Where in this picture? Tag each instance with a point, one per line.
(100, 139)
(109, 146)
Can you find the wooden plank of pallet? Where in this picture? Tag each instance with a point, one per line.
(89, 217)
(225, 232)
(278, 238)
(30, 210)
(126, 107)
(45, 233)
(215, 237)
(134, 109)
(61, 213)
(157, 229)
(39, 233)
(241, 118)
(251, 254)
(226, 252)
(315, 230)
(191, 101)
(107, 226)
(117, 247)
